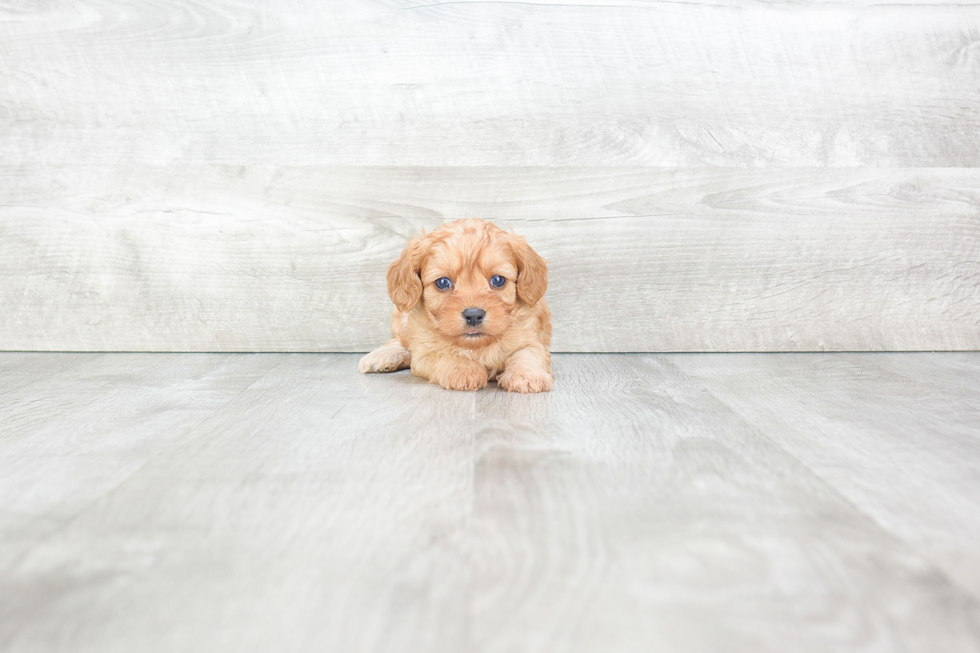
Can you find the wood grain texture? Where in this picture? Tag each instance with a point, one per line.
(382, 82)
(705, 176)
(838, 416)
(267, 258)
(285, 502)
(77, 461)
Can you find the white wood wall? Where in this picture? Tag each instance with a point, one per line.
(231, 175)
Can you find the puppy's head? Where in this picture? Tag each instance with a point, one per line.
(468, 276)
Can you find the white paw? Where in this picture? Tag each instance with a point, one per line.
(385, 359)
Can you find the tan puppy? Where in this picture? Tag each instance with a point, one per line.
(469, 307)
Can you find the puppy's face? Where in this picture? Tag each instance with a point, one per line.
(470, 288)
(468, 276)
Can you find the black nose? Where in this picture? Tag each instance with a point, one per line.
(474, 316)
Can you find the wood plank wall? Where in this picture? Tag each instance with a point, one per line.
(235, 175)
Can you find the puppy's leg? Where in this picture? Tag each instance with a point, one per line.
(451, 372)
(527, 370)
(389, 357)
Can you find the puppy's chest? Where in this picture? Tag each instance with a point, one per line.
(491, 357)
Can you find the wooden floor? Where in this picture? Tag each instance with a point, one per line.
(688, 502)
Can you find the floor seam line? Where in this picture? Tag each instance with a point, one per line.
(836, 491)
(87, 508)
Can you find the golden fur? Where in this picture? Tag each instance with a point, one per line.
(430, 332)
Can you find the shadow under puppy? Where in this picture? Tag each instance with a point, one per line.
(469, 308)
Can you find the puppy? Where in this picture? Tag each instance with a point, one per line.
(469, 308)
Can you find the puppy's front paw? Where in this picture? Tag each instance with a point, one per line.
(525, 381)
(466, 375)
(385, 359)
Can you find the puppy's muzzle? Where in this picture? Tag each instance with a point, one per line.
(474, 316)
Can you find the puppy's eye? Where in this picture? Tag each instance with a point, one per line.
(497, 281)
(443, 283)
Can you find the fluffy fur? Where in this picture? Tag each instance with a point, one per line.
(432, 336)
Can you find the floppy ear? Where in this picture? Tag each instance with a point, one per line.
(404, 283)
(532, 272)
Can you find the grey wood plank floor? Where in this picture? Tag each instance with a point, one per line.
(683, 502)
